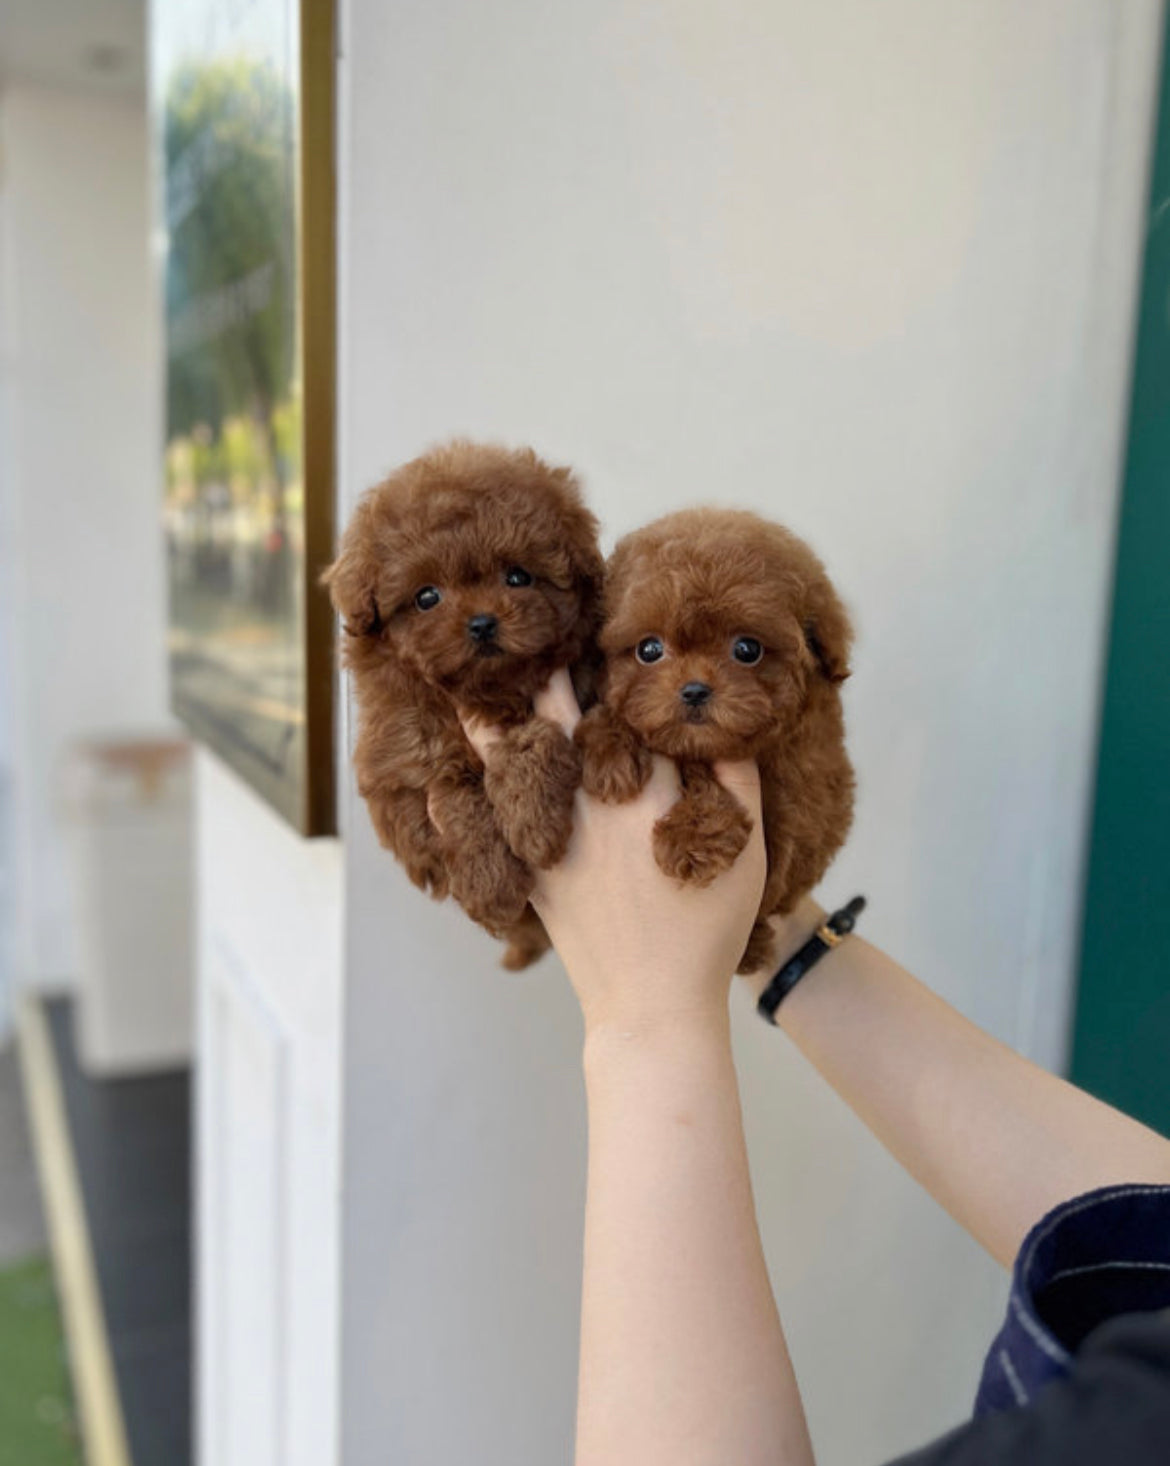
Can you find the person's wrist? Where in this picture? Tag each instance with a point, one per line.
(615, 1031)
(805, 918)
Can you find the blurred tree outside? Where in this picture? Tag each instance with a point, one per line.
(233, 422)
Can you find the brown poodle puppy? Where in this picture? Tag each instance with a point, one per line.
(725, 640)
(464, 580)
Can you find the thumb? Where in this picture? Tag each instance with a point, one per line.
(558, 702)
(480, 734)
(742, 780)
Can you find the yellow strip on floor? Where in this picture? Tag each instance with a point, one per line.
(99, 1406)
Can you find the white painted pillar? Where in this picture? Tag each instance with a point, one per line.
(268, 1086)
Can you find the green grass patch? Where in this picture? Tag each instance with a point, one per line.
(37, 1423)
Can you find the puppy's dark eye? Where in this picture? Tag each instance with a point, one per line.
(746, 649)
(427, 598)
(649, 649)
(517, 575)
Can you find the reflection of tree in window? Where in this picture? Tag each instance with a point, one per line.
(230, 296)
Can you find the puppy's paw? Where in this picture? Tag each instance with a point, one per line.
(760, 952)
(697, 839)
(527, 943)
(531, 776)
(616, 778)
(491, 885)
(427, 869)
(616, 765)
(403, 825)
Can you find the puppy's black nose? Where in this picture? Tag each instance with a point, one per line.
(483, 628)
(695, 694)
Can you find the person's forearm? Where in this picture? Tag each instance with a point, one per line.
(995, 1139)
(682, 1357)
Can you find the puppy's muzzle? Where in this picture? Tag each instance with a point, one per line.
(483, 629)
(695, 694)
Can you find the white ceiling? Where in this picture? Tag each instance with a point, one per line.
(92, 44)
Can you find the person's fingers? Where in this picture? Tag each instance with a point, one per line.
(558, 702)
(662, 787)
(480, 734)
(743, 781)
(663, 774)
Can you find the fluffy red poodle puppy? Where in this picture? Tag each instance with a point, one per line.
(724, 639)
(464, 580)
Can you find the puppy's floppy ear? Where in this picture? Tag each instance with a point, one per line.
(589, 576)
(352, 579)
(827, 632)
(631, 564)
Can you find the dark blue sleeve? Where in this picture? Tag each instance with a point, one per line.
(1111, 1409)
(1080, 1370)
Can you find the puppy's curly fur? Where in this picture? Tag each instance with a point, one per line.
(690, 601)
(464, 580)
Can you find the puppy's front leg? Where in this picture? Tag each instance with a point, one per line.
(487, 879)
(531, 775)
(527, 941)
(616, 763)
(402, 823)
(703, 831)
(760, 951)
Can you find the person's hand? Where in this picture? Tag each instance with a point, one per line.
(641, 949)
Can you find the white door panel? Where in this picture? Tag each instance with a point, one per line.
(268, 1138)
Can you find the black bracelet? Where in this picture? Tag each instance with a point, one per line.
(823, 940)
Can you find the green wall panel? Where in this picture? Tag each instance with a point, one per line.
(1121, 1041)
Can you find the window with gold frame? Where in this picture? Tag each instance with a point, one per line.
(242, 119)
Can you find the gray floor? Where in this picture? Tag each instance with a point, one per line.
(131, 1143)
(22, 1223)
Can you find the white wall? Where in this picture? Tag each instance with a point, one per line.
(80, 550)
(868, 269)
